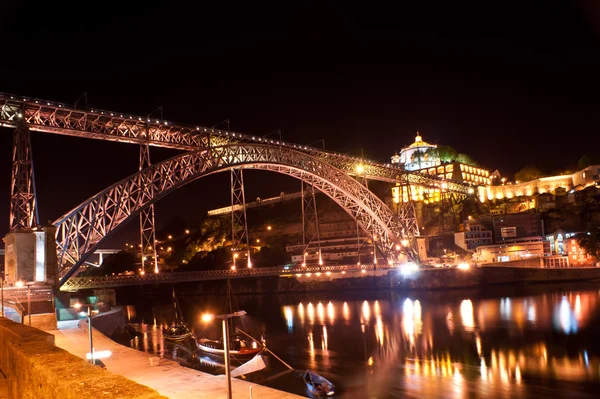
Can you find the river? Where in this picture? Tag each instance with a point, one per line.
(533, 342)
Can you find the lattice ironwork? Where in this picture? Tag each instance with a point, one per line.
(80, 231)
(79, 283)
(310, 222)
(408, 220)
(23, 202)
(52, 117)
(239, 223)
(147, 230)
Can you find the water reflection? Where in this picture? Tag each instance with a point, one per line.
(498, 344)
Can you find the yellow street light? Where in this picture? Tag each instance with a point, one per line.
(170, 237)
(360, 169)
(207, 317)
(187, 231)
(269, 228)
(19, 284)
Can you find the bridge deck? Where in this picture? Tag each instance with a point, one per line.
(78, 283)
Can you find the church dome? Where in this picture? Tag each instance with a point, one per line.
(420, 143)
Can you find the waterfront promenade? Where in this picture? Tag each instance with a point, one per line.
(169, 378)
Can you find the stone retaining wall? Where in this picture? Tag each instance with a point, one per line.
(36, 369)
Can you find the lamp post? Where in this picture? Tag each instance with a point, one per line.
(225, 318)
(89, 318)
(2, 291)
(21, 284)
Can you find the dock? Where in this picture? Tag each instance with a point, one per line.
(168, 378)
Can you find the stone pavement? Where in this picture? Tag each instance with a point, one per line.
(169, 378)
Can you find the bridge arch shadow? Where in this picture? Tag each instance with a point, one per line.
(81, 231)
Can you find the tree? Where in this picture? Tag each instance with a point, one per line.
(591, 241)
(529, 173)
(418, 157)
(587, 160)
(431, 153)
(446, 153)
(466, 159)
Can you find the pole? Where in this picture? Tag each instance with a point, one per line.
(89, 315)
(28, 304)
(226, 347)
(2, 290)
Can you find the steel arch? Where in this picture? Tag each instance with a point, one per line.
(81, 230)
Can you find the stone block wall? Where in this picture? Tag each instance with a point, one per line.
(35, 368)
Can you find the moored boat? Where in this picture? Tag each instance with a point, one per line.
(178, 331)
(238, 347)
(318, 385)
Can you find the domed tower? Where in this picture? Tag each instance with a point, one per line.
(415, 156)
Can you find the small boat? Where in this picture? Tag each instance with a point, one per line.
(238, 347)
(179, 331)
(318, 385)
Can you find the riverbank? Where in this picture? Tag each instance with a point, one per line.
(168, 378)
(399, 279)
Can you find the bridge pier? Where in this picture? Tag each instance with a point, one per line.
(31, 256)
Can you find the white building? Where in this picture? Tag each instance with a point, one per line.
(415, 157)
(510, 250)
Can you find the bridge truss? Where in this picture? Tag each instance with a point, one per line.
(81, 230)
(209, 150)
(57, 118)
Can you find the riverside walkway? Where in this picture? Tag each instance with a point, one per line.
(169, 378)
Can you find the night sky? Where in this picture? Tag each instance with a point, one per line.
(512, 84)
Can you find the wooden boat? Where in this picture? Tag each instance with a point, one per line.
(179, 331)
(318, 385)
(238, 347)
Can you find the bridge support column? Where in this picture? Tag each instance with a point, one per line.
(31, 256)
(147, 232)
(23, 202)
(310, 222)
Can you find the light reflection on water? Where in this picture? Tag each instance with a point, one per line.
(390, 345)
(489, 347)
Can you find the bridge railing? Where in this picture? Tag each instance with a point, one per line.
(77, 283)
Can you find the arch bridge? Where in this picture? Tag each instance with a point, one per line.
(205, 151)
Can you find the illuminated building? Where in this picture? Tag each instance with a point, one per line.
(567, 245)
(511, 250)
(556, 185)
(417, 155)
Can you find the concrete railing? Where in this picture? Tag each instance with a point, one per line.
(35, 368)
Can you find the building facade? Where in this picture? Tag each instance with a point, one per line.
(417, 155)
(511, 250)
(339, 242)
(474, 235)
(567, 244)
(555, 185)
(511, 227)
